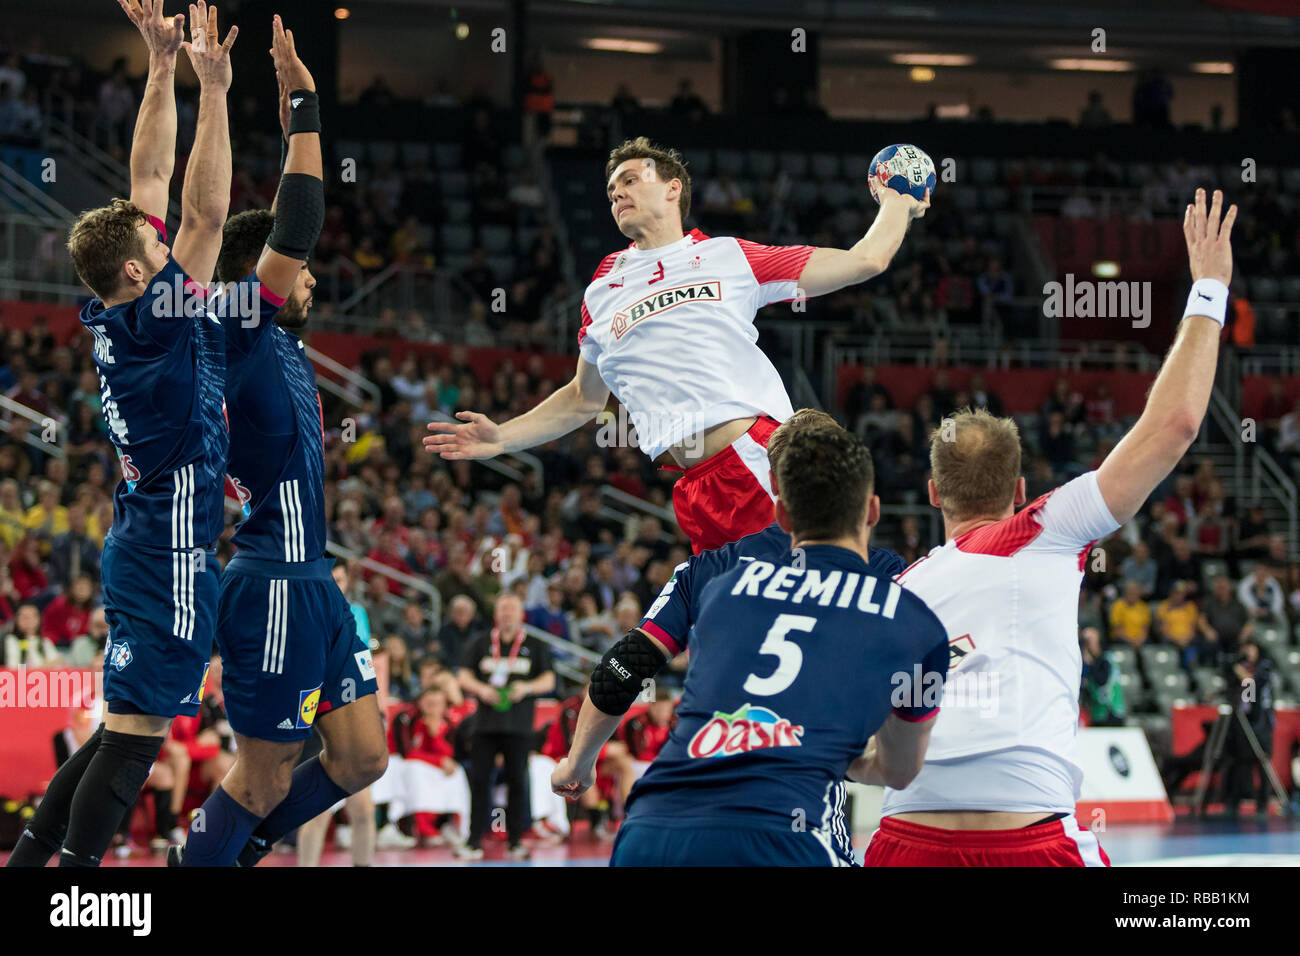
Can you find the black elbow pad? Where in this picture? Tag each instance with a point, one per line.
(299, 215)
(622, 673)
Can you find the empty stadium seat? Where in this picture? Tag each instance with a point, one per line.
(457, 237)
(496, 239)
(458, 210)
(730, 161)
(856, 168)
(1158, 660)
(1123, 656)
(383, 152)
(1289, 289)
(447, 155)
(983, 172)
(1265, 289)
(415, 153)
(794, 164)
(760, 163)
(826, 166)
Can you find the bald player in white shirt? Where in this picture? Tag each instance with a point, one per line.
(1000, 780)
(668, 327)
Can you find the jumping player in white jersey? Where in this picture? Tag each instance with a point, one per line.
(1000, 780)
(668, 327)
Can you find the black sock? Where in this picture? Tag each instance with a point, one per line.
(108, 789)
(381, 815)
(44, 833)
(164, 820)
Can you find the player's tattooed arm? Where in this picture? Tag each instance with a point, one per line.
(205, 197)
(828, 270)
(153, 148)
(299, 205)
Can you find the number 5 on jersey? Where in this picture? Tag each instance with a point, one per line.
(789, 655)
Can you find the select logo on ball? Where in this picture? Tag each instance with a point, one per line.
(903, 168)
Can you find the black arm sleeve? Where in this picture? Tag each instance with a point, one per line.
(299, 215)
(620, 676)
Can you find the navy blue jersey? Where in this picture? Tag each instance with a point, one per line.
(793, 668)
(277, 450)
(161, 360)
(671, 616)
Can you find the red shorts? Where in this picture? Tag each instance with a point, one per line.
(1059, 843)
(725, 497)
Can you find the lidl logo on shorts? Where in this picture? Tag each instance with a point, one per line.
(308, 700)
(119, 655)
(203, 683)
(750, 728)
(365, 664)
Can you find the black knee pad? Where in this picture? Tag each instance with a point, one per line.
(133, 755)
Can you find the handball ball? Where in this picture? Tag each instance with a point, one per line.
(903, 168)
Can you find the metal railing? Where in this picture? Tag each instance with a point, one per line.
(567, 649)
(113, 176)
(434, 611)
(357, 387)
(1268, 475)
(1223, 414)
(26, 198)
(41, 422)
(620, 506)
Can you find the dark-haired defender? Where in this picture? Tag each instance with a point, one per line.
(796, 665)
(668, 325)
(291, 656)
(160, 355)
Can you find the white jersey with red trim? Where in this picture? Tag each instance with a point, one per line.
(1008, 595)
(671, 332)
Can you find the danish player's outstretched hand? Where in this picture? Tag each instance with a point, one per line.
(162, 35)
(478, 437)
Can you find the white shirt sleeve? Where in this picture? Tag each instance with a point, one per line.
(1076, 513)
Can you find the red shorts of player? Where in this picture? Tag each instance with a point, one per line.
(725, 497)
(1058, 843)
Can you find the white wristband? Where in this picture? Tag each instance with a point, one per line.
(1208, 297)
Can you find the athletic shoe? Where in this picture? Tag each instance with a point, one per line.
(467, 852)
(450, 834)
(174, 854)
(253, 852)
(176, 836)
(391, 838)
(545, 834)
(343, 836)
(158, 844)
(518, 852)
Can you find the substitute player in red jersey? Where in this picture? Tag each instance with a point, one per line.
(1000, 781)
(668, 326)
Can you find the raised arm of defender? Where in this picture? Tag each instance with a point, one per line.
(565, 409)
(300, 202)
(205, 197)
(1181, 393)
(153, 147)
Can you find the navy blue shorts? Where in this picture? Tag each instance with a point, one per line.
(289, 647)
(161, 608)
(647, 843)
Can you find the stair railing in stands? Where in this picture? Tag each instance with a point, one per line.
(40, 424)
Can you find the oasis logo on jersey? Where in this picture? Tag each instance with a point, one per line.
(750, 728)
(664, 300)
